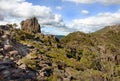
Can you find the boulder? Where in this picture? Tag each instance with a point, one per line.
(13, 53)
(31, 25)
(8, 47)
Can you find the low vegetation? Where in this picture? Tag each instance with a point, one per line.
(75, 57)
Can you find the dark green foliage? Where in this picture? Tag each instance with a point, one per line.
(59, 36)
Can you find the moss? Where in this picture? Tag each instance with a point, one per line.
(52, 78)
(30, 63)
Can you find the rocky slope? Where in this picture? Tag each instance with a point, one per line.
(28, 55)
(98, 51)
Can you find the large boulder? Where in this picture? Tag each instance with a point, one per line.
(31, 25)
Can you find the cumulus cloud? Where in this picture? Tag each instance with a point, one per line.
(59, 8)
(85, 12)
(13, 11)
(56, 21)
(94, 1)
(94, 23)
(27, 10)
(20, 8)
(17, 10)
(1, 16)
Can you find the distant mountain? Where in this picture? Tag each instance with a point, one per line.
(60, 36)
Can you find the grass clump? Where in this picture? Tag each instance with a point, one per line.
(30, 63)
(52, 78)
(58, 55)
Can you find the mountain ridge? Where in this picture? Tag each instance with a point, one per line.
(33, 56)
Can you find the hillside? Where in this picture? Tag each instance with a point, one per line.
(98, 51)
(28, 55)
(59, 36)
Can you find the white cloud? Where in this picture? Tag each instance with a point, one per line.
(81, 1)
(17, 10)
(13, 11)
(28, 10)
(94, 1)
(20, 8)
(94, 23)
(110, 1)
(85, 12)
(1, 15)
(59, 8)
(56, 21)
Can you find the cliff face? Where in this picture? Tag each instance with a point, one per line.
(31, 25)
(28, 55)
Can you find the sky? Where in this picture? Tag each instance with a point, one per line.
(61, 17)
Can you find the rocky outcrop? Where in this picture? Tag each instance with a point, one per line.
(10, 72)
(10, 52)
(31, 25)
(21, 61)
(6, 27)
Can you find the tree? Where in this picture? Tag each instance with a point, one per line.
(14, 25)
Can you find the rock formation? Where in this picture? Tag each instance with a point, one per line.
(31, 25)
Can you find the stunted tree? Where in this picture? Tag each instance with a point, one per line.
(14, 25)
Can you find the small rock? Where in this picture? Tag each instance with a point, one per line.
(6, 73)
(8, 47)
(12, 53)
(23, 66)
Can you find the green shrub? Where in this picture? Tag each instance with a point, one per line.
(30, 63)
(52, 78)
(117, 70)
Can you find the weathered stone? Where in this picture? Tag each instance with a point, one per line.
(31, 25)
(6, 62)
(12, 53)
(5, 27)
(23, 66)
(8, 47)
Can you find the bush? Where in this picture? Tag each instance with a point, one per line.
(30, 63)
(52, 78)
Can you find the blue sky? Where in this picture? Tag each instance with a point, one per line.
(62, 17)
(72, 10)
